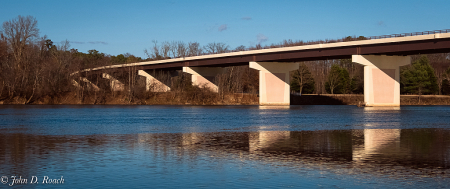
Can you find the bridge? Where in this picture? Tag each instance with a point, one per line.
(381, 57)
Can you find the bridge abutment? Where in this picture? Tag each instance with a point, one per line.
(274, 84)
(156, 81)
(381, 78)
(204, 76)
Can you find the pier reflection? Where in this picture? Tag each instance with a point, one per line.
(427, 150)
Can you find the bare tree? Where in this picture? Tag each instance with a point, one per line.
(302, 77)
(173, 48)
(240, 48)
(181, 49)
(447, 75)
(194, 49)
(20, 32)
(20, 35)
(222, 48)
(214, 48)
(210, 48)
(334, 78)
(319, 70)
(165, 50)
(440, 63)
(154, 53)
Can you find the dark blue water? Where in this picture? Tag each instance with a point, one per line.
(225, 146)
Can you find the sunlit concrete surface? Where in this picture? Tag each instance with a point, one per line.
(204, 76)
(115, 84)
(274, 84)
(381, 78)
(90, 85)
(152, 84)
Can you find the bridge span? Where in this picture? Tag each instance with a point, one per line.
(381, 59)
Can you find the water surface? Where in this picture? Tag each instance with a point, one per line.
(226, 146)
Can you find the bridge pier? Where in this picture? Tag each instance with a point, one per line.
(89, 84)
(274, 85)
(204, 76)
(381, 78)
(115, 84)
(155, 81)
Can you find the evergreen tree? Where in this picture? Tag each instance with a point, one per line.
(446, 87)
(302, 80)
(346, 82)
(419, 78)
(339, 82)
(356, 85)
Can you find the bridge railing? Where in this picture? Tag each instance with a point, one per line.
(409, 34)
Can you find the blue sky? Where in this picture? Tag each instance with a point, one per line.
(116, 27)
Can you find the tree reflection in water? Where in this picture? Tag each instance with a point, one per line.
(374, 151)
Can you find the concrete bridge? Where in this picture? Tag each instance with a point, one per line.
(381, 57)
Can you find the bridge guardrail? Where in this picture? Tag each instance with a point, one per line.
(409, 34)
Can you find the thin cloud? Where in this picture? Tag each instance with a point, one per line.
(260, 38)
(210, 28)
(223, 27)
(98, 42)
(90, 42)
(76, 42)
(246, 18)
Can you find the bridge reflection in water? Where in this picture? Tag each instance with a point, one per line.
(392, 152)
(371, 148)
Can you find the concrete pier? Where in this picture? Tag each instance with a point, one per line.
(381, 78)
(274, 84)
(152, 83)
(204, 76)
(115, 84)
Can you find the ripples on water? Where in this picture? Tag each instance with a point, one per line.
(227, 146)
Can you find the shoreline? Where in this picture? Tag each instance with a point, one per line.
(71, 98)
(358, 99)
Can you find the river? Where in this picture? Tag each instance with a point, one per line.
(95, 146)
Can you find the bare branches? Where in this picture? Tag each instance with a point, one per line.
(302, 80)
(182, 49)
(179, 49)
(194, 49)
(20, 32)
(214, 48)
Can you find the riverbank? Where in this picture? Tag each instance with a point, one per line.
(209, 98)
(166, 98)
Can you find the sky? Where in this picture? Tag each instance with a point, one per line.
(117, 27)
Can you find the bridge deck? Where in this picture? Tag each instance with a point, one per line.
(422, 44)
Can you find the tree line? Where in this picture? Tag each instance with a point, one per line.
(33, 66)
(426, 75)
